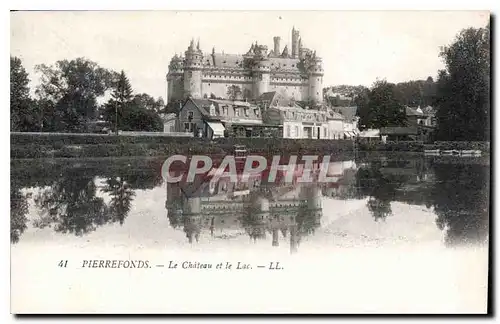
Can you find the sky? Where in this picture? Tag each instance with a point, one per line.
(357, 47)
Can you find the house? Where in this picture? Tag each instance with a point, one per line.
(170, 123)
(350, 122)
(419, 116)
(399, 133)
(214, 118)
(298, 122)
(335, 125)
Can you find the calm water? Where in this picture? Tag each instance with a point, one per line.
(375, 201)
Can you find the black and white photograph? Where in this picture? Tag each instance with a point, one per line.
(250, 162)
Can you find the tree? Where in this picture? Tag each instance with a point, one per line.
(121, 198)
(463, 89)
(73, 88)
(382, 107)
(122, 90)
(233, 92)
(149, 103)
(71, 205)
(18, 211)
(21, 106)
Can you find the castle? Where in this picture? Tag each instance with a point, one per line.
(298, 73)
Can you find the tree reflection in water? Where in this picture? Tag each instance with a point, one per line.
(71, 206)
(121, 198)
(18, 211)
(380, 188)
(461, 201)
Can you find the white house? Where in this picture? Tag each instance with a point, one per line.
(351, 129)
(335, 125)
(169, 123)
(299, 122)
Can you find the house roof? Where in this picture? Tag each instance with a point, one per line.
(427, 111)
(168, 117)
(277, 99)
(334, 115)
(398, 131)
(348, 112)
(201, 104)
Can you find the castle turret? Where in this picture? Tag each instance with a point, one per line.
(300, 48)
(294, 239)
(261, 71)
(276, 237)
(295, 43)
(175, 79)
(193, 71)
(277, 41)
(315, 72)
(192, 217)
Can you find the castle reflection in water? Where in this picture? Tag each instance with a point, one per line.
(286, 211)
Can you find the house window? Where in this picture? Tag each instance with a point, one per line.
(188, 127)
(190, 115)
(297, 131)
(325, 135)
(288, 131)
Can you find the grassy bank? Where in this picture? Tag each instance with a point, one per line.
(25, 146)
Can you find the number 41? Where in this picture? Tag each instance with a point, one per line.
(63, 263)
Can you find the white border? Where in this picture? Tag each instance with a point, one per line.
(183, 5)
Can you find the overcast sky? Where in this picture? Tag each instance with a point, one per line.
(357, 47)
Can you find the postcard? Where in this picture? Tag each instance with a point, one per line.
(250, 162)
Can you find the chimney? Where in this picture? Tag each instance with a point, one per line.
(277, 40)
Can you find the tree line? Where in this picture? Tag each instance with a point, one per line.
(72, 94)
(460, 95)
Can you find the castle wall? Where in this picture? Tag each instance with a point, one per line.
(219, 86)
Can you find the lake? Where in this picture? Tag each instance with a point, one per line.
(418, 223)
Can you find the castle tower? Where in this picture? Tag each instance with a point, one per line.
(315, 73)
(175, 79)
(295, 43)
(277, 41)
(193, 71)
(192, 217)
(300, 48)
(275, 237)
(261, 71)
(294, 239)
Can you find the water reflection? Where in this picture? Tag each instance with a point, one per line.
(258, 208)
(18, 212)
(78, 198)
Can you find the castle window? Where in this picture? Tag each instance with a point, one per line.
(236, 112)
(256, 111)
